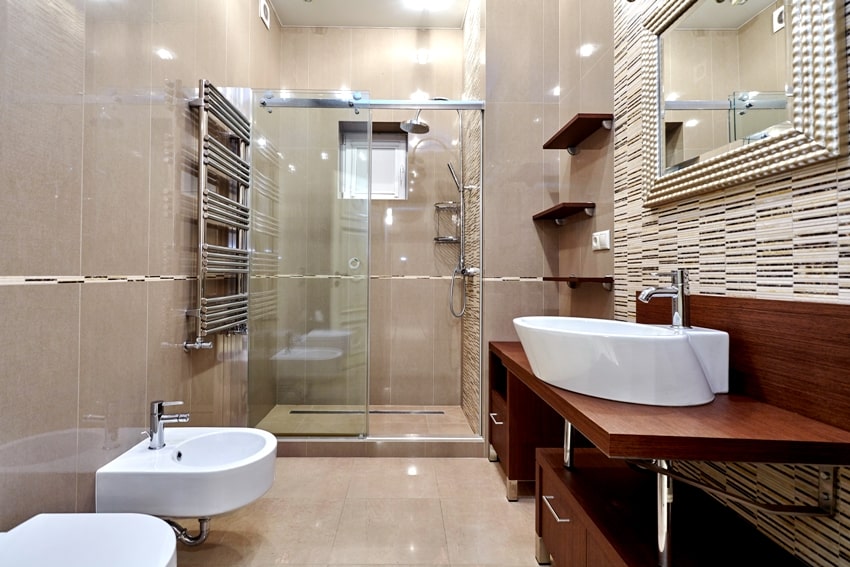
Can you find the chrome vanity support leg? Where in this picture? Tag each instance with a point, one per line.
(491, 454)
(568, 445)
(512, 490)
(541, 552)
(665, 512)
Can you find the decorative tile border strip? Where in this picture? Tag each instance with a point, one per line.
(48, 280)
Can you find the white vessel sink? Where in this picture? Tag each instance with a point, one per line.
(627, 362)
(201, 472)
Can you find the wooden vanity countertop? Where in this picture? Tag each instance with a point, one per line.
(731, 428)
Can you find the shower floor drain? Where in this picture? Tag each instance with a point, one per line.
(399, 412)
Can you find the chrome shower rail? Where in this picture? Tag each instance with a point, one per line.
(355, 101)
(224, 177)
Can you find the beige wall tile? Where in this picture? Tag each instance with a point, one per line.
(380, 355)
(117, 140)
(38, 400)
(515, 67)
(173, 207)
(113, 351)
(515, 190)
(169, 368)
(447, 344)
(412, 342)
(370, 70)
(40, 149)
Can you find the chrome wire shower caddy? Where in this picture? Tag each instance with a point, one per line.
(224, 176)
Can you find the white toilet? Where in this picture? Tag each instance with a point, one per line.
(90, 540)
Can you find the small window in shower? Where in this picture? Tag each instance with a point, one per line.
(389, 162)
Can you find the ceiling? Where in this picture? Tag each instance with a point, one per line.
(722, 15)
(419, 14)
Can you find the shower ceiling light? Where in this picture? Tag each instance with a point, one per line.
(429, 5)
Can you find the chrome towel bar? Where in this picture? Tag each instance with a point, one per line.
(224, 217)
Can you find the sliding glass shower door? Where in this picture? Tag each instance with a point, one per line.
(308, 367)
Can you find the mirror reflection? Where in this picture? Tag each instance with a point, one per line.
(726, 79)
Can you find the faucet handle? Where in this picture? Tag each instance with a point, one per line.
(157, 405)
(679, 276)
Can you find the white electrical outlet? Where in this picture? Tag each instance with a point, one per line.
(601, 240)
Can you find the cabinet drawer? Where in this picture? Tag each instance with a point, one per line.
(560, 527)
(498, 420)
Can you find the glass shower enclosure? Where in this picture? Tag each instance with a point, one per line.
(365, 242)
(308, 339)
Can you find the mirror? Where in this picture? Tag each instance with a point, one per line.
(724, 76)
(783, 112)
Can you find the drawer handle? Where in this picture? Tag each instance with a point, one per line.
(558, 519)
(493, 417)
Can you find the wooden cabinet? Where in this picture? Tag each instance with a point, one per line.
(602, 513)
(519, 423)
(611, 507)
(568, 530)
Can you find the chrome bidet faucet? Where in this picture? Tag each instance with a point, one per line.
(158, 420)
(678, 291)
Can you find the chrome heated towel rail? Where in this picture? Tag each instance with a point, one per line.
(224, 177)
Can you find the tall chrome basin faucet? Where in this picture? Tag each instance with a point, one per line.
(677, 291)
(158, 420)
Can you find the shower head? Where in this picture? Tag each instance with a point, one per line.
(454, 176)
(415, 126)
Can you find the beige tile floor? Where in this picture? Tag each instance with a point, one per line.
(374, 511)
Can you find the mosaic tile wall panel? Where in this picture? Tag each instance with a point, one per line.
(472, 156)
(785, 237)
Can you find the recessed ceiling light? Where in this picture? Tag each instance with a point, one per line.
(430, 5)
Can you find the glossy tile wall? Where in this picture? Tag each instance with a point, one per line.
(96, 216)
(783, 237)
(586, 73)
(531, 93)
(474, 49)
(521, 179)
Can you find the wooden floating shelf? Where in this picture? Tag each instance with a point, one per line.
(563, 210)
(577, 130)
(573, 281)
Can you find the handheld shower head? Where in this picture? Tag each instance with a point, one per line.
(415, 126)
